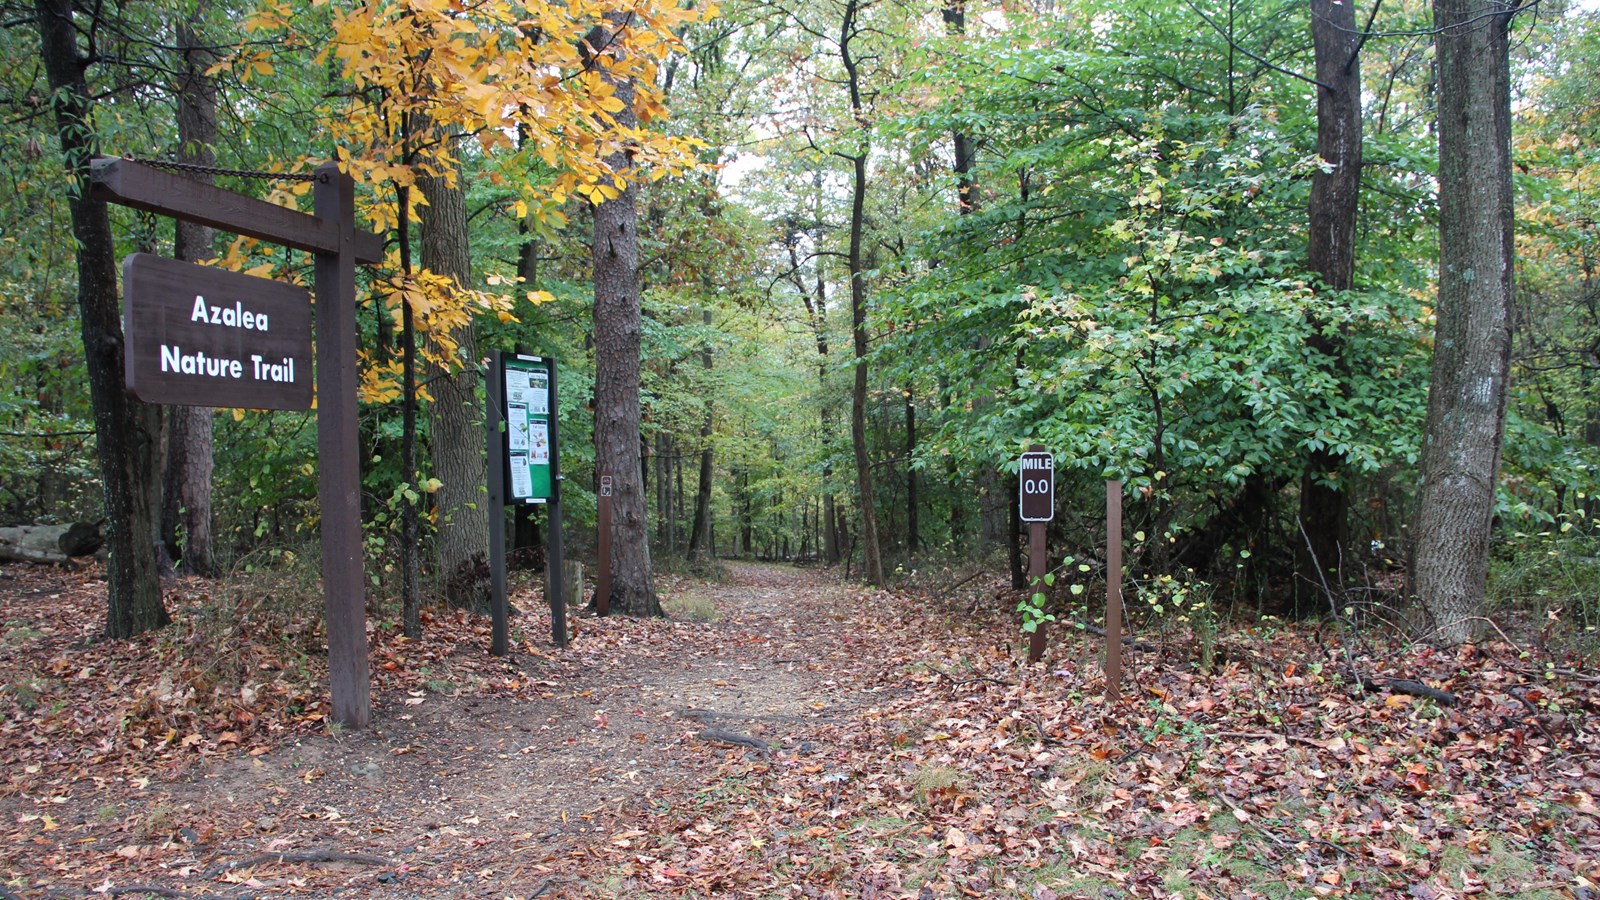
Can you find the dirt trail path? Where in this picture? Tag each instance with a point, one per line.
(479, 790)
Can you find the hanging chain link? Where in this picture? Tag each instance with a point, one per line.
(197, 169)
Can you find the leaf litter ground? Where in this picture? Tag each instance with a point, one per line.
(786, 736)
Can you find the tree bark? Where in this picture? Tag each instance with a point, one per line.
(410, 527)
(912, 538)
(126, 431)
(1472, 340)
(186, 490)
(872, 559)
(455, 417)
(1335, 197)
(700, 532)
(617, 336)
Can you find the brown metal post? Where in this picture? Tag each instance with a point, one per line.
(602, 572)
(494, 383)
(339, 476)
(1113, 591)
(555, 554)
(1036, 567)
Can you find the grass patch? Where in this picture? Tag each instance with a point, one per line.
(1507, 870)
(937, 785)
(29, 691)
(18, 633)
(691, 607)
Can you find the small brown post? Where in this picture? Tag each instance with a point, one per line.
(338, 449)
(1113, 591)
(602, 572)
(1036, 566)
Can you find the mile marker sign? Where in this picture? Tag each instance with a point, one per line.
(1036, 478)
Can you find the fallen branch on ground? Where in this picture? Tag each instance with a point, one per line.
(718, 736)
(1130, 640)
(309, 856)
(1406, 686)
(708, 714)
(961, 681)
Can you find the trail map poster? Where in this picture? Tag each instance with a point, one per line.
(527, 417)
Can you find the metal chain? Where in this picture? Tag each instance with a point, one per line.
(197, 169)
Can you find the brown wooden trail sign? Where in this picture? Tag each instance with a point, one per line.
(330, 235)
(203, 336)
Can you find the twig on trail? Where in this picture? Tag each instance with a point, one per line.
(1533, 713)
(952, 588)
(144, 889)
(1268, 736)
(705, 714)
(1245, 816)
(1575, 675)
(547, 883)
(1128, 639)
(960, 681)
(718, 736)
(309, 856)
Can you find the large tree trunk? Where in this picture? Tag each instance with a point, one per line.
(616, 384)
(126, 431)
(1472, 341)
(186, 489)
(1335, 194)
(455, 417)
(872, 559)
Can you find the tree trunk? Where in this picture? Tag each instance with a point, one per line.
(410, 528)
(126, 431)
(525, 541)
(872, 560)
(1335, 196)
(700, 534)
(186, 489)
(1472, 340)
(455, 417)
(616, 385)
(912, 538)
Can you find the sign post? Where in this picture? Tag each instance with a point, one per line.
(524, 468)
(213, 363)
(1036, 483)
(1113, 667)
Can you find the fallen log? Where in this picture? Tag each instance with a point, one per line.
(51, 544)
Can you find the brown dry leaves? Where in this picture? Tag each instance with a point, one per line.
(915, 754)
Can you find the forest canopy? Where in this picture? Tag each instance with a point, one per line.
(881, 248)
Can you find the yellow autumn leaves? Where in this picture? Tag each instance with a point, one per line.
(510, 76)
